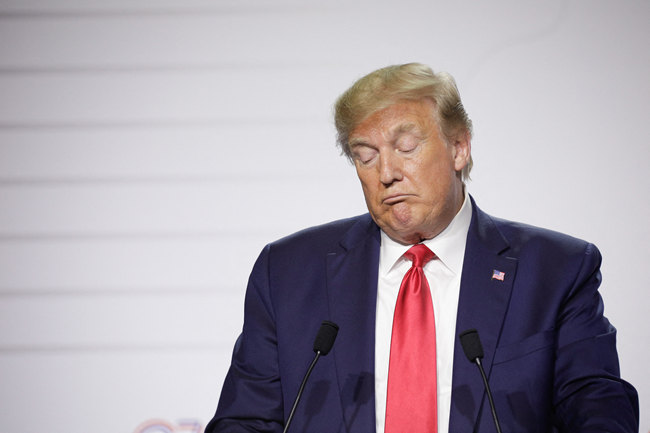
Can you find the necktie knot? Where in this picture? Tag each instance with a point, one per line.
(419, 254)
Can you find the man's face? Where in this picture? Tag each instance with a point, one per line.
(409, 175)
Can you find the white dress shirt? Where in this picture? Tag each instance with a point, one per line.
(443, 274)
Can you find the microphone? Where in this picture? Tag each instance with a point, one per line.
(322, 346)
(473, 349)
(325, 337)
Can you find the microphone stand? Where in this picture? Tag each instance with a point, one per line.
(489, 394)
(302, 387)
(322, 345)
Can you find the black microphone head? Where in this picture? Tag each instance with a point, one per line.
(471, 344)
(325, 337)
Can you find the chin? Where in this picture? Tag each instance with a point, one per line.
(401, 219)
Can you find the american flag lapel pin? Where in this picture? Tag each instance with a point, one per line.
(498, 275)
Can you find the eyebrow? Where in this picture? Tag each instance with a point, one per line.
(357, 141)
(398, 130)
(403, 128)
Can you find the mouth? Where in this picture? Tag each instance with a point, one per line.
(395, 198)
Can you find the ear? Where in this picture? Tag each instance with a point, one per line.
(462, 150)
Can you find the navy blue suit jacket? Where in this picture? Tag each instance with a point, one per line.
(549, 352)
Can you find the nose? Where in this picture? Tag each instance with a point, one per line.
(390, 168)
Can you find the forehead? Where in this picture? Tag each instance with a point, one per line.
(400, 117)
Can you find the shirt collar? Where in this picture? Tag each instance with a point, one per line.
(449, 245)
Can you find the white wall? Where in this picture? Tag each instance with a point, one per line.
(149, 149)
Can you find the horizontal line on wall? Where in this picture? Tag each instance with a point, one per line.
(115, 13)
(161, 68)
(215, 291)
(82, 180)
(83, 348)
(157, 123)
(121, 236)
(82, 69)
(110, 69)
(239, 178)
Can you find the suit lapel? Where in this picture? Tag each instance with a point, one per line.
(352, 293)
(482, 305)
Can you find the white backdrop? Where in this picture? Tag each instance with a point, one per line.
(149, 149)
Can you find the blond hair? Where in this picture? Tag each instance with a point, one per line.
(411, 81)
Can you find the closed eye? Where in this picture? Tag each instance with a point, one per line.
(407, 144)
(364, 154)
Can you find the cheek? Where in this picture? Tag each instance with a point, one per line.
(434, 181)
(369, 192)
(367, 180)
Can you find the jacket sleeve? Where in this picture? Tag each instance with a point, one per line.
(589, 395)
(251, 398)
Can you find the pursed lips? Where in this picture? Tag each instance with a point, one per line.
(395, 198)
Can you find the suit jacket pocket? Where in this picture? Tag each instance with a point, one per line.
(524, 347)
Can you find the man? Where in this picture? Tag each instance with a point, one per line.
(397, 365)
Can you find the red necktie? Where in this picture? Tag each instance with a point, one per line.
(411, 403)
